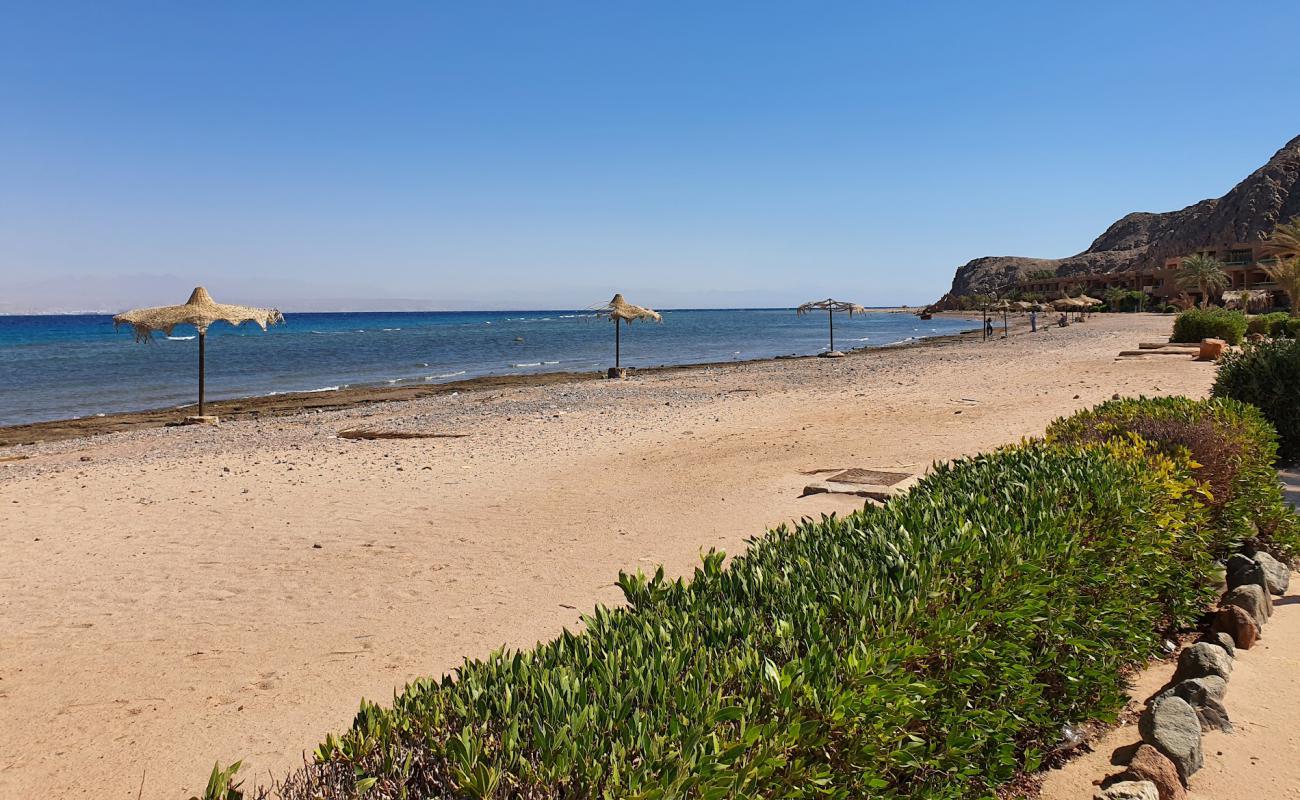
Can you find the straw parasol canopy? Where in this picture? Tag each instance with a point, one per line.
(1089, 301)
(621, 310)
(830, 306)
(1067, 304)
(201, 311)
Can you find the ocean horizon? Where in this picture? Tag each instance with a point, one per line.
(64, 366)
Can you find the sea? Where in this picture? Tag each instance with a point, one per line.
(78, 365)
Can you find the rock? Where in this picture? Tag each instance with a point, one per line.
(1197, 690)
(1238, 624)
(1223, 640)
(1213, 716)
(1140, 242)
(1211, 350)
(1253, 599)
(1202, 659)
(1277, 576)
(1149, 764)
(1172, 727)
(1244, 570)
(1128, 790)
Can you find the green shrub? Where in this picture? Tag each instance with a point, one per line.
(1232, 447)
(931, 648)
(1291, 329)
(1267, 375)
(1274, 324)
(1196, 324)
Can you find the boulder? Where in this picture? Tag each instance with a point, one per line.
(1213, 715)
(1253, 600)
(1235, 622)
(1202, 659)
(1211, 349)
(1242, 570)
(1277, 576)
(1223, 640)
(1197, 690)
(1149, 764)
(1171, 726)
(1128, 790)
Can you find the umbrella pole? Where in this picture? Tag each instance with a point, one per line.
(830, 318)
(617, 346)
(202, 339)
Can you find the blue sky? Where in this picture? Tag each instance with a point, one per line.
(519, 155)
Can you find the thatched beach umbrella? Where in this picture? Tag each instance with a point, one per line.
(621, 310)
(830, 306)
(200, 311)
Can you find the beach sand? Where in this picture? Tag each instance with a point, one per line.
(172, 596)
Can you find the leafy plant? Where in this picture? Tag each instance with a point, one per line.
(222, 784)
(1273, 325)
(1267, 375)
(931, 648)
(1196, 324)
(1232, 449)
(1286, 274)
(1203, 273)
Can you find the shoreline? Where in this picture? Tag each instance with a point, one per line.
(289, 403)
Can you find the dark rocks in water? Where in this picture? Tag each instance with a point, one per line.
(1144, 240)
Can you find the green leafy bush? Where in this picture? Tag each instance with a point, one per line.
(1232, 447)
(931, 648)
(1196, 324)
(1274, 324)
(1267, 375)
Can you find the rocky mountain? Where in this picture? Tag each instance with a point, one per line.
(1144, 240)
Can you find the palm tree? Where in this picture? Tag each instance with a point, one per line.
(1284, 245)
(1115, 297)
(1286, 274)
(1203, 273)
(1285, 239)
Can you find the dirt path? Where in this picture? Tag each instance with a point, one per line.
(173, 596)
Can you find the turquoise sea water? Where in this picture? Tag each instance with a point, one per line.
(58, 367)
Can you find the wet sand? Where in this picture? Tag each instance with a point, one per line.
(171, 596)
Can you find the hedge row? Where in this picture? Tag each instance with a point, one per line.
(1197, 324)
(931, 648)
(1267, 375)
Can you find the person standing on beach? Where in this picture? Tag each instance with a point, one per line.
(1033, 320)
(988, 329)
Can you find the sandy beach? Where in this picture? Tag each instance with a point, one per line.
(171, 596)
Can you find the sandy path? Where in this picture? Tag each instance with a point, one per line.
(164, 603)
(1259, 759)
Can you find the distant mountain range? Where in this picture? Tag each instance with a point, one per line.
(1144, 240)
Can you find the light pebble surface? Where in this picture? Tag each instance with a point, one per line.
(164, 603)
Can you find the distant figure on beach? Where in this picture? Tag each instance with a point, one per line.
(988, 329)
(1033, 321)
(1063, 321)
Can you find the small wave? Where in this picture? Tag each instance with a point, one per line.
(180, 338)
(444, 375)
(528, 364)
(550, 362)
(391, 329)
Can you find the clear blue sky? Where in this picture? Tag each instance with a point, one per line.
(544, 154)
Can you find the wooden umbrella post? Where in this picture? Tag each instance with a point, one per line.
(830, 318)
(202, 338)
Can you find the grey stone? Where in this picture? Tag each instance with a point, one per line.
(1171, 726)
(1202, 659)
(1277, 576)
(1128, 790)
(1223, 640)
(1197, 690)
(1253, 600)
(1213, 716)
(1243, 570)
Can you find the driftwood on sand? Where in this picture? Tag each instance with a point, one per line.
(366, 433)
